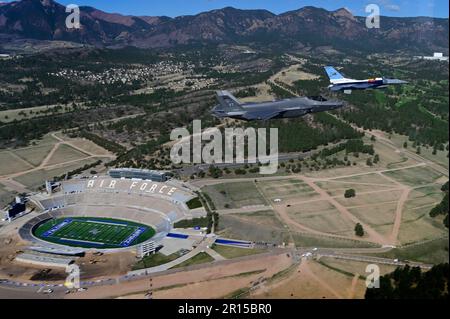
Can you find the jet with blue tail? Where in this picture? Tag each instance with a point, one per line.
(341, 83)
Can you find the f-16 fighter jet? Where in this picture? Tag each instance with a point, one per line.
(230, 107)
(341, 83)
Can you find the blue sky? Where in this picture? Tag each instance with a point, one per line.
(401, 8)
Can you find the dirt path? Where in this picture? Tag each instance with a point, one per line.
(49, 156)
(352, 290)
(398, 216)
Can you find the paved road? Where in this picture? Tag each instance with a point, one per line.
(12, 289)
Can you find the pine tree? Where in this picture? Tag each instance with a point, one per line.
(359, 230)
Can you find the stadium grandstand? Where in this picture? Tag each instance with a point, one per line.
(146, 202)
(134, 173)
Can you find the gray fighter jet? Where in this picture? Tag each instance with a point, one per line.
(230, 107)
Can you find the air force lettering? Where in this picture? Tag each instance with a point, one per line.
(130, 185)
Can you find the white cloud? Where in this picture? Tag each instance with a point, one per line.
(392, 7)
(388, 5)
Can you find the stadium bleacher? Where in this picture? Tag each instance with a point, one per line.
(151, 203)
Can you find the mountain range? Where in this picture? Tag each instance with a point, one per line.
(306, 27)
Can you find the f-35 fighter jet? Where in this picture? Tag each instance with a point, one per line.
(230, 107)
(341, 83)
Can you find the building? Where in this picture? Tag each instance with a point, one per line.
(130, 173)
(437, 56)
(16, 210)
(146, 249)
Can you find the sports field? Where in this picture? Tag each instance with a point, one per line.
(86, 232)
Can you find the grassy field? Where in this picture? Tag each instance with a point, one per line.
(231, 226)
(65, 153)
(369, 199)
(35, 154)
(28, 113)
(417, 225)
(421, 228)
(388, 157)
(433, 252)
(35, 179)
(94, 232)
(5, 196)
(440, 157)
(371, 178)
(304, 240)
(321, 216)
(85, 145)
(415, 176)
(376, 214)
(338, 188)
(261, 218)
(11, 165)
(234, 252)
(154, 260)
(234, 195)
(200, 258)
(287, 188)
(352, 267)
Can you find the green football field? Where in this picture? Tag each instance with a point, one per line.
(88, 232)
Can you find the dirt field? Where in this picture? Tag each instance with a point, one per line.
(311, 280)
(215, 281)
(262, 96)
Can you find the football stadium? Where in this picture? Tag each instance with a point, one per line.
(106, 214)
(93, 232)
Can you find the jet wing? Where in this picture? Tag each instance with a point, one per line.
(341, 87)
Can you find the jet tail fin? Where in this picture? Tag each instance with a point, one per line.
(333, 74)
(228, 101)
